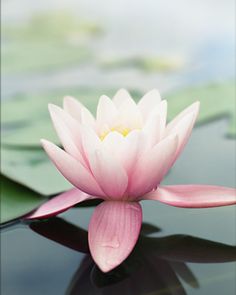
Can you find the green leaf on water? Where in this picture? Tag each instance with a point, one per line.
(33, 169)
(217, 101)
(46, 41)
(148, 64)
(17, 200)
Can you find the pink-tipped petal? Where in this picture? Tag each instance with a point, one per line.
(113, 232)
(194, 196)
(149, 101)
(68, 130)
(72, 169)
(109, 173)
(59, 204)
(90, 142)
(152, 167)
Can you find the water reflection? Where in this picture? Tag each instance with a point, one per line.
(156, 266)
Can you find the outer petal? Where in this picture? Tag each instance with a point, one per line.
(87, 118)
(72, 170)
(59, 204)
(73, 107)
(193, 108)
(109, 173)
(194, 196)
(78, 111)
(148, 102)
(113, 232)
(90, 142)
(155, 124)
(152, 167)
(68, 130)
(182, 125)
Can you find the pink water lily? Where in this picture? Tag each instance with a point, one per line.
(121, 156)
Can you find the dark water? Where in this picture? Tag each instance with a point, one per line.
(180, 251)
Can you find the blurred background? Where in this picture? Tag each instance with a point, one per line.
(50, 49)
(65, 44)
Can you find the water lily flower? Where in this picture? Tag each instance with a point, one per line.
(121, 157)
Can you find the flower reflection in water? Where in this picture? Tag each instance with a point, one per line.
(155, 265)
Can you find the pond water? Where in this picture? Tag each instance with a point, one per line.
(181, 251)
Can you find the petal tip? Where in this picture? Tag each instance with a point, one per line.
(52, 108)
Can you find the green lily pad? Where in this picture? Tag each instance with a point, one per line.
(31, 134)
(217, 101)
(46, 41)
(33, 169)
(144, 63)
(17, 200)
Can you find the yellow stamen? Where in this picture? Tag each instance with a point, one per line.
(123, 131)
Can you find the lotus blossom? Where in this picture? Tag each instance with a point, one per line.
(121, 157)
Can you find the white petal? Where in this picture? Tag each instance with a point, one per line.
(121, 97)
(149, 101)
(106, 111)
(73, 107)
(155, 124)
(109, 173)
(152, 167)
(68, 130)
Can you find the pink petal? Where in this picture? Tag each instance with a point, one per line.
(68, 130)
(194, 196)
(149, 101)
(59, 204)
(72, 169)
(90, 142)
(113, 232)
(109, 173)
(152, 167)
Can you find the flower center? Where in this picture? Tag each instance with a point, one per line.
(122, 130)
